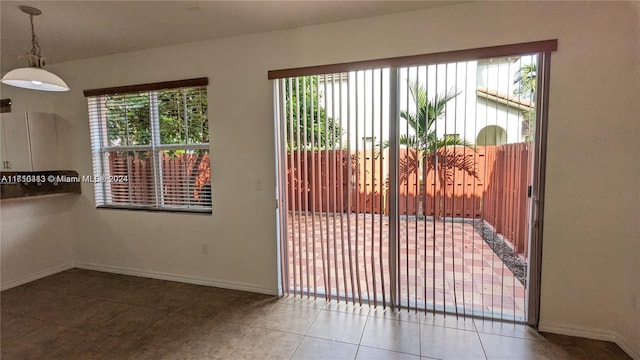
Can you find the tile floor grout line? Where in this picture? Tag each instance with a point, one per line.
(297, 347)
(420, 338)
(512, 336)
(450, 327)
(482, 345)
(332, 340)
(393, 351)
(379, 348)
(312, 322)
(366, 322)
(357, 351)
(305, 333)
(272, 329)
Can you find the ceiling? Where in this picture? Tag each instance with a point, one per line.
(72, 30)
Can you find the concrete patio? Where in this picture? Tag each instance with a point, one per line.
(446, 263)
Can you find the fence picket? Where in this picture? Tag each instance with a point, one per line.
(177, 175)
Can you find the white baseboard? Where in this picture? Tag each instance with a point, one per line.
(179, 278)
(626, 348)
(36, 276)
(590, 333)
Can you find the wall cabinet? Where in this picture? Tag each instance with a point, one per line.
(29, 142)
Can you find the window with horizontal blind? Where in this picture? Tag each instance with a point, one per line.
(150, 146)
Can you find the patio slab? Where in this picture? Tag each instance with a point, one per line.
(443, 265)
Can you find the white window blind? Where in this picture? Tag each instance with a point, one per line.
(150, 146)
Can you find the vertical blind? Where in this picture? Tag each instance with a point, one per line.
(150, 147)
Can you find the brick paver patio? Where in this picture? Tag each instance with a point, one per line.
(433, 256)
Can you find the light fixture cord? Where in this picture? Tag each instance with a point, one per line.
(35, 47)
(34, 58)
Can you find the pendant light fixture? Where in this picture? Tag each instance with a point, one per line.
(34, 77)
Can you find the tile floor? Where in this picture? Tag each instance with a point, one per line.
(443, 262)
(80, 314)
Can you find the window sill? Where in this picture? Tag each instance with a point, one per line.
(156, 210)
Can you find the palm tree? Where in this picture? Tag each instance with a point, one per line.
(526, 79)
(423, 121)
(432, 153)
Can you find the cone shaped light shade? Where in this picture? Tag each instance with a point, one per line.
(34, 78)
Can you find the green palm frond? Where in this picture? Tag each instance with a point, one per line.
(424, 116)
(422, 120)
(449, 141)
(426, 111)
(431, 149)
(409, 140)
(526, 79)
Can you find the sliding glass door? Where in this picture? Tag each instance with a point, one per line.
(411, 186)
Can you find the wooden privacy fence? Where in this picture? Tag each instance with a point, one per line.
(318, 181)
(497, 193)
(183, 176)
(505, 200)
(493, 188)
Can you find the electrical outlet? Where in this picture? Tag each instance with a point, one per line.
(205, 248)
(258, 184)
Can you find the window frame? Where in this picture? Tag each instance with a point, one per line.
(100, 148)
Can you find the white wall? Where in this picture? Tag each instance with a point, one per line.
(36, 239)
(591, 259)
